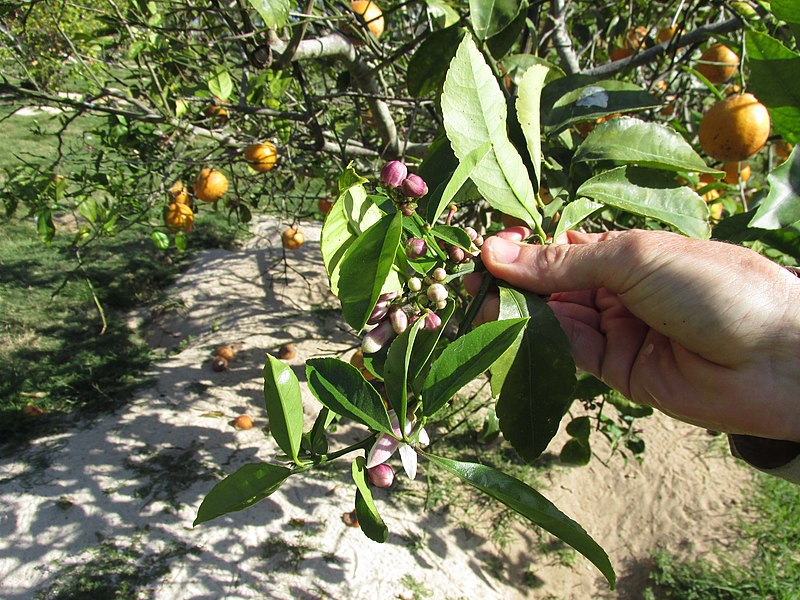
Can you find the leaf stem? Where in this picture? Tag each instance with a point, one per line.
(473, 307)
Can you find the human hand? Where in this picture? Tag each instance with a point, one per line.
(705, 331)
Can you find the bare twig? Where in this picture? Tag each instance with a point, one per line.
(561, 39)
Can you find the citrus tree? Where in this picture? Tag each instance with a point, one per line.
(478, 116)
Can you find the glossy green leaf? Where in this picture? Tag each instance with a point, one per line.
(653, 194)
(529, 113)
(633, 141)
(181, 241)
(284, 405)
(490, 430)
(490, 17)
(340, 387)
(577, 452)
(455, 236)
(504, 40)
(460, 176)
(428, 66)
(775, 80)
(529, 503)
(317, 438)
(535, 378)
(465, 358)
(365, 268)
(781, 207)
(626, 407)
(275, 13)
(250, 484)
(516, 65)
(425, 347)
(220, 84)
(442, 13)
(395, 370)
(786, 10)
(368, 518)
(474, 111)
(160, 239)
(579, 427)
(45, 226)
(574, 214)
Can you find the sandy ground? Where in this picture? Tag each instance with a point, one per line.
(134, 479)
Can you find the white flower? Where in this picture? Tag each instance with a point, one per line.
(386, 445)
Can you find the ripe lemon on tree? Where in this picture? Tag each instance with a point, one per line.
(718, 63)
(262, 156)
(210, 185)
(371, 14)
(179, 217)
(179, 193)
(735, 128)
(293, 238)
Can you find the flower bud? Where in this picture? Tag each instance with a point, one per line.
(388, 296)
(439, 274)
(394, 173)
(432, 321)
(416, 248)
(381, 475)
(456, 254)
(377, 338)
(471, 233)
(437, 292)
(399, 320)
(441, 304)
(478, 241)
(408, 208)
(415, 284)
(380, 311)
(414, 186)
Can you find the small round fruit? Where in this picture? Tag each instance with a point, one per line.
(243, 422)
(293, 238)
(179, 193)
(31, 410)
(287, 352)
(219, 364)
(371, 14)
(210, 185)
(261, 157)
(179, 217)
(733, 172)
(718, 63)
(665, 34)
(735, 128)
(226, 352)
(324, 205)
(715, 211)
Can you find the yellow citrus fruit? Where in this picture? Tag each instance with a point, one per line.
(179, 193)
(718, 63)
(735, 128)
(243, 422)
(261, 157)
(733, 172)
(715, 211)
(179, 217)
(665, 34)
(371, 14)
(210, 185)
(293, 238)
(710, 195)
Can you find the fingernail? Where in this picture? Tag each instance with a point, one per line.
(503, 251)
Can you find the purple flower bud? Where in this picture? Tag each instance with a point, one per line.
(394, 173)
(399, 320)
(471, 233)
(381, 475)
(416, 248)
(456, 254)
(432, 321)
(380, 310)
(437, 292)
(415, 284)
(408, 208)
(414, 186)
(439, 274)
(377, 338)
(388, 296)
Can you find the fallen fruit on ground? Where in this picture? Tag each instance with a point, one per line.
(262, 156)
(179, 217)
(371, 14)
(219, 364)
(735, 128)
(210, 185)
(226, 352)
(350, 518)
(292, 238)
(287, 352)
(718, 63)
(243, 422)
(31, 410)
(733, 172)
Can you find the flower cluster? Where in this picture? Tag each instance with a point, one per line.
(395, 176)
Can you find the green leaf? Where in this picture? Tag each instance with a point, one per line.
(626, 407)
(653, 194)
(160, 239)
(45, 226)
(775, 80)
(425, 346)
(786, 10)
(395, 370)
(181, 241)
(428, 67)
(501, 43)
(317, 440)
(220, 84)
(365, 268)
(465, 358)
(368, 518)
(474, 111)
(576, 98)
(781, 207)
(529, 113)
(580, 428)
(455, 236)
(633, 141)
(284, 405)
(529, 503)
(274, 12)
(490, 17)
(535, 378)
(576, 452)
(442, 13)
(250, 484)
(340, 387)
(460, 176)
(574, 213)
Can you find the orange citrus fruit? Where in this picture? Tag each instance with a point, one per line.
(733, 172)
(371, 14)
(735, 128)
(243, 422)
(261, 157)
(665, 34)
(293, 238)
(179, 217)
(718, 63)
(179, 193)
(210, 185)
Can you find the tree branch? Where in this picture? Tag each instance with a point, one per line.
(561, 39)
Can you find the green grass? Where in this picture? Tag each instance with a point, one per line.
(765, 564)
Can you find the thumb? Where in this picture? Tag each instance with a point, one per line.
(609, 262)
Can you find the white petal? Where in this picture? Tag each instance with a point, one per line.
(424, 440)
(383, 448)
(409, 459)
